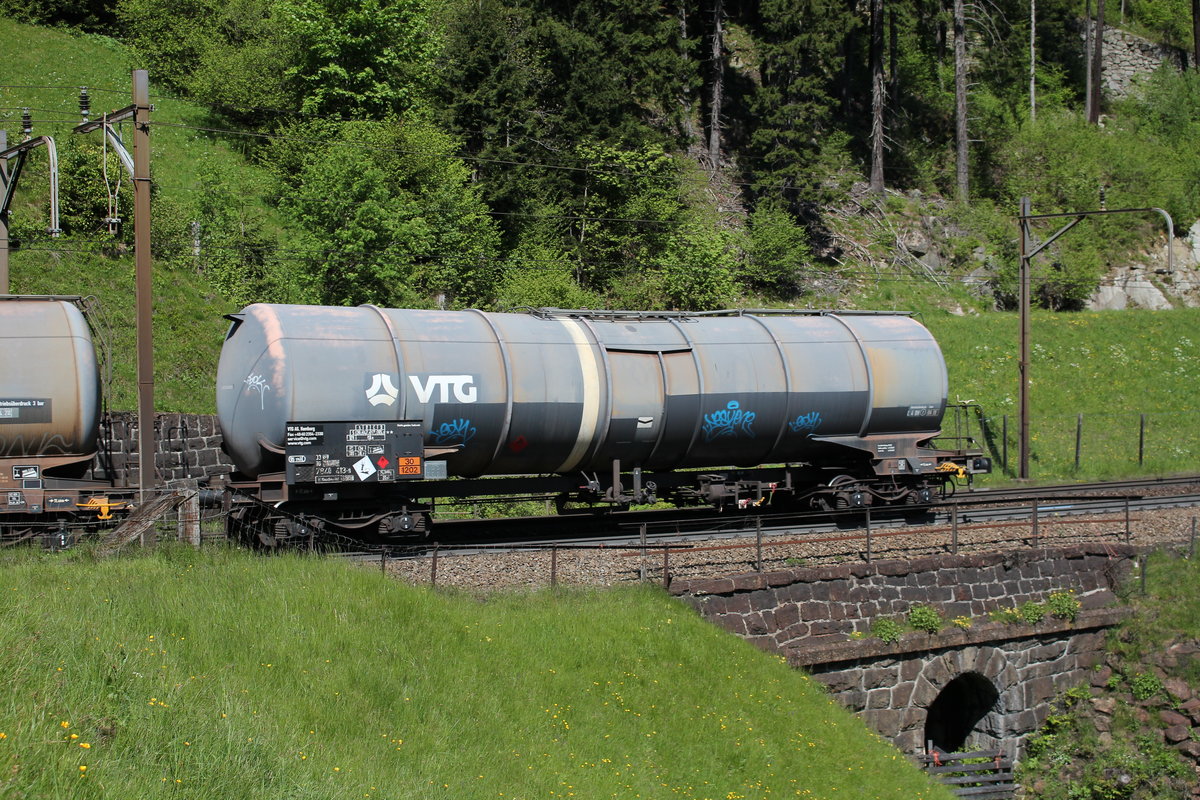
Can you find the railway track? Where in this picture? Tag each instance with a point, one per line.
(688, 528)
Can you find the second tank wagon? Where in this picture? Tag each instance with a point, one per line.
(845, 403)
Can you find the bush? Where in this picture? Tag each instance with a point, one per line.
(886, 629)
(1064, 605)
(1033, 613)
(924, 618)
(1145, 685)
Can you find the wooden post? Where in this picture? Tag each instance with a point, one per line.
(554, 566)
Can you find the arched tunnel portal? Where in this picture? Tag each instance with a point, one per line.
(957, 710)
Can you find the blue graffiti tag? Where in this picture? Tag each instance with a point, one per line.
(806, 423)
(728, 422)
(458, 431)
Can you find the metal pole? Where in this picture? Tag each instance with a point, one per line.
(1192, 541)
(1023, 361)
(1128, 532)
(1004, 445)
(554, 565)
(1035, 522)
(1142, 433)
(1079, 438)
(666, 566)
(758, 562)
(383, 560)
(145, 300)
(433, 568)
(3, 218)
(642, 569)
(868, 534)
(954, 529)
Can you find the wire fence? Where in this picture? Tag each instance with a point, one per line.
(1090, 445)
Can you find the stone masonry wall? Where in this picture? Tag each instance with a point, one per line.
(891, 686)
(810, 605)
(188, 447)
(1128, 58)
(809, 614)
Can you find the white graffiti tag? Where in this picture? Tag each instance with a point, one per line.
(258, 382)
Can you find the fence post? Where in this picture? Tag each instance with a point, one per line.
(1192, 541)
(1128, 532)
(642, 568)
(1035, 522)
(554, 566)
(954, 529)
(1079, 438)
(868, 534)
(433, 568)
(758, 562)
(1004, 445)
(383, 560)
(1141, 439)
(666, 566)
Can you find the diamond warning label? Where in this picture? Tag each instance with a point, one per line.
(364, 468)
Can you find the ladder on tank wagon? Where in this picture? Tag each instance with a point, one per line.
(978, 775)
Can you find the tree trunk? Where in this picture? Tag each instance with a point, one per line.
(893, 61)
(1196, 34)
(877, 97)
(960, 101)
(718, 78)
(1097, 63)
(689, 120)
(1033, 60)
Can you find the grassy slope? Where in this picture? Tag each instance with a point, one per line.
(223, 675)
(187, 313)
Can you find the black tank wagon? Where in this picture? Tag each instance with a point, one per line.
(354, 419)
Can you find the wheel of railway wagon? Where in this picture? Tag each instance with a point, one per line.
(406, 525)
(283, 533)
(250, 526)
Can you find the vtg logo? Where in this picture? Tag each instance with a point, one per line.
(462, 386)
(382, 390)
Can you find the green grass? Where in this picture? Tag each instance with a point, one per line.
(1168, 611)
(1110, 366)
(219, 674)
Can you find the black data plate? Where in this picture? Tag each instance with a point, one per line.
(354, 452)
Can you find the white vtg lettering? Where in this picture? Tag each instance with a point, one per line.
(463, 386)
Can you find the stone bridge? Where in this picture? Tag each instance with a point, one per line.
(979, 682)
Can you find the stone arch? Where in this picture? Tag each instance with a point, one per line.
(994, 666)
(958, 709)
